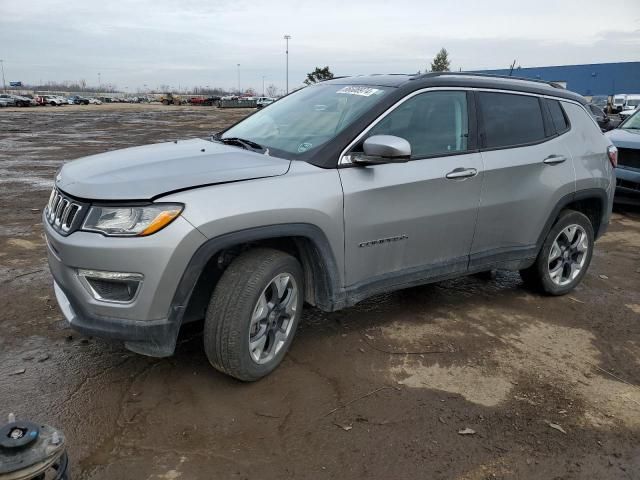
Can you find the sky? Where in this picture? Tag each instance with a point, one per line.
(187, 43)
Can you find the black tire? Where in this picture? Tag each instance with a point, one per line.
(538, 277)
(228, 318)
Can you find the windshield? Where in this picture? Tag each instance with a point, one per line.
(307, 119)
(633, 122)
(600, 101)
(618, 101)
(634, 103)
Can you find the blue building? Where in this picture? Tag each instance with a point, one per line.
(590, 79)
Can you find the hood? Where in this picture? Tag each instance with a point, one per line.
(142, 173)
(624, 138)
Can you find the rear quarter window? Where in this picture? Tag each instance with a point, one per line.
(558, 117)
(510, 119)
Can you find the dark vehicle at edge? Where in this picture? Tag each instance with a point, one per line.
(626, 137)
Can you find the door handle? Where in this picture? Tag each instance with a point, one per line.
(554, 159)
(460, 172)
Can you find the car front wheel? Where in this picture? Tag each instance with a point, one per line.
(254, 313)
(564, 257)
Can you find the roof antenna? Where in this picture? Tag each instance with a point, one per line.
(513, 65)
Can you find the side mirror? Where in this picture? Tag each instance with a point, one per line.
(383, 149)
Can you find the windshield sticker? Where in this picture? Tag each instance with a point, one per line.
(303, 147)
(363, 91)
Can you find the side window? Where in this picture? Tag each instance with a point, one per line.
(510, 119)
(559, 118)
(433, 123)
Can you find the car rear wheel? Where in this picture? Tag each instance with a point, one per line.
(564, 257)
(254, 313)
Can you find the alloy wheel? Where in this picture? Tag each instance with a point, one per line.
(568, 255)
(273, 317)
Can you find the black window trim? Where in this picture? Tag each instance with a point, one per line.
(472, 119)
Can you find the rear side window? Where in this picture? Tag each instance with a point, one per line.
(559, 118)
(510, 119)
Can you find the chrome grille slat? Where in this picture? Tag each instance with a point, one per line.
(59, 209)
(62, 212)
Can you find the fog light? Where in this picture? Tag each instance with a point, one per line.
(111, 286)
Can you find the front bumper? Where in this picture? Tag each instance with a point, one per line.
(150, 337)
(150, 323)
(627, 185)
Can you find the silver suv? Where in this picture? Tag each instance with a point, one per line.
(335, 193)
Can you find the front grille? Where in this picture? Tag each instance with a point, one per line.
(63, 213)
(629, 157)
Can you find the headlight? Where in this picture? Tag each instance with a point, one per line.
(131, 221)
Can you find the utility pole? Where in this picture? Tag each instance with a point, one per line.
(99, 82)
(4, 85)
(287, 38)
(239, 90)
(263, 85)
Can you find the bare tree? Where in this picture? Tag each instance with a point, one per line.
(272, 91)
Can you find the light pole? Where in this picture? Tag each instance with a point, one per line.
(239, 90)
(263, 85)
(99, 82)
(287, 38)
(4, 85)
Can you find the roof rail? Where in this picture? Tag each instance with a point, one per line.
(485, 75)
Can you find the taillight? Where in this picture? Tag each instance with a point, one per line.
(612, 153)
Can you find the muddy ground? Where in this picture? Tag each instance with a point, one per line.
(549, 385)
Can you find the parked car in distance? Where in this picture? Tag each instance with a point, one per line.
(605, 122)
(196, 100)
(31, 98)
(7, 100)
(77, 100)
(211, 101)
(626, 137)
(40, 100)
(21, 101)
(412, 183)
(55, 100)
(95, 101)
(264, 101)
(627, 113)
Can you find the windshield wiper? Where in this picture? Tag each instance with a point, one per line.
(240, 142)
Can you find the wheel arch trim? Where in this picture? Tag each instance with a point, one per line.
(599, 194)
(325, 270)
